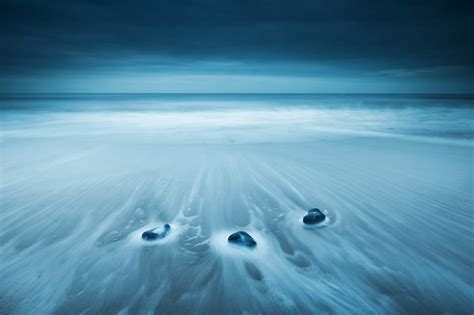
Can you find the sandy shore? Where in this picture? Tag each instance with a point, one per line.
(398, 239)
(83, 176)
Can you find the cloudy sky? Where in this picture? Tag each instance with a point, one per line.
(237, 46)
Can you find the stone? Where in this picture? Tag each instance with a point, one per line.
(314, 216)
(242, 238)
(151, 235)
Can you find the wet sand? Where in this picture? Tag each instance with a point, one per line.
(397, 238)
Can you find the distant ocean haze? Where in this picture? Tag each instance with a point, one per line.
(240, 118)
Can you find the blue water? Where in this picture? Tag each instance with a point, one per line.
(83, 176)
(236, 117)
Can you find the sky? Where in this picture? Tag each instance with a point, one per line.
(244, 46)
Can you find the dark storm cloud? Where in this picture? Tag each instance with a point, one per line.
(253, 36)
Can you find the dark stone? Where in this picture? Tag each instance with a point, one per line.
(151, 235)
(242, 238)
(314, 216)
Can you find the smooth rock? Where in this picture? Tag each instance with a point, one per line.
(314, 216)
(151, 235)
(242, 238)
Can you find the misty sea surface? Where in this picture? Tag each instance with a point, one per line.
(82, 176)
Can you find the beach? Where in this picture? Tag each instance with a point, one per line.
(82, 177)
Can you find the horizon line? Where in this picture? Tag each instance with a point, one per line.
(234, 93)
